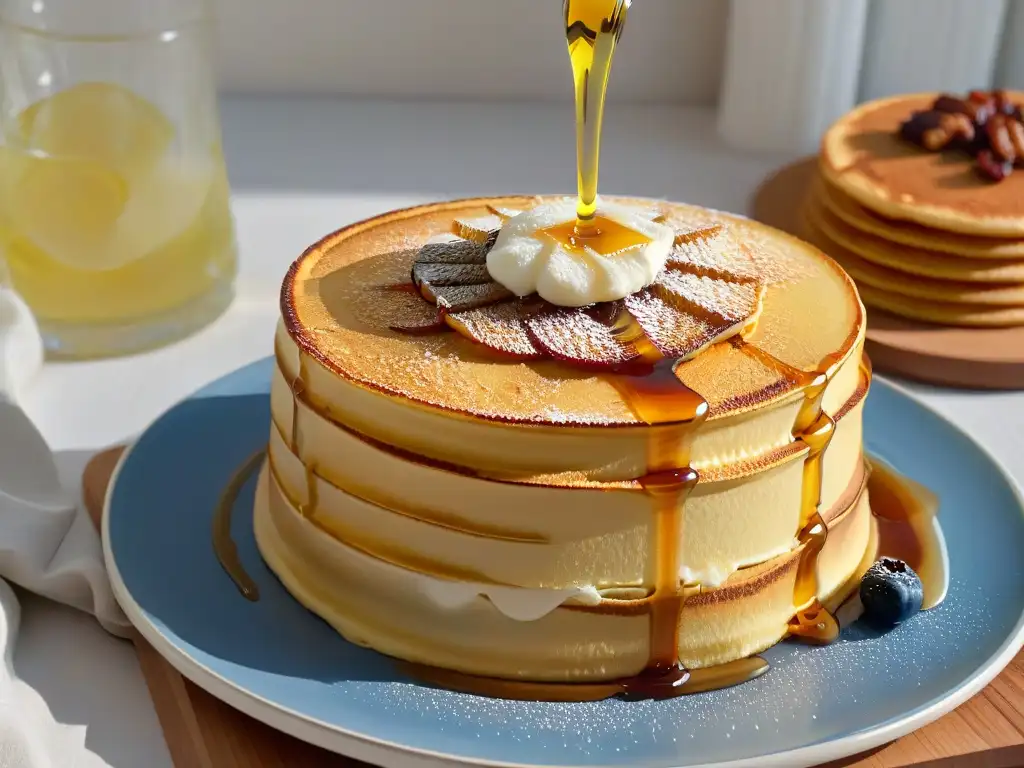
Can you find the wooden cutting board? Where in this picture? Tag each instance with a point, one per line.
(203, 732)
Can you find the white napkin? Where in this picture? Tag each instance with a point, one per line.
(47, 545)
(21, 348)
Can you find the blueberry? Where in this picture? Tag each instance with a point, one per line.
(891, 592)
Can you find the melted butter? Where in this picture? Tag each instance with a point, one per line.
(223, 545)
(603, 236)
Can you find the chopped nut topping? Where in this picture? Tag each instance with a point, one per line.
(986, 125)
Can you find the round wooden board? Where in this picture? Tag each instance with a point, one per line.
(977, 358)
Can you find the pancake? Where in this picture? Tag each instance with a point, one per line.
(906, 233)
(467, 501)
(449, 399)
(863, 156)
(603, 639)
(945, 291)
(505, 533)
(969, 315)
(907, 258)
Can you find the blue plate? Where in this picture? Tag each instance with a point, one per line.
(277, 662)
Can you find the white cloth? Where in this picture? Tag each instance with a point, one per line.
(47, 545)
(21, 348)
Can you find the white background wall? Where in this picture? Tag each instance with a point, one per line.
(672, 50)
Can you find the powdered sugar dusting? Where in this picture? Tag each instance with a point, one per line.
(710, 296)
(497, 326)
(674, 333)
(457, 298)
(451, 249)
(579, 336)
(450, 274)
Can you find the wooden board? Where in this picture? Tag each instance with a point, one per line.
(979, 358)
(203, 732)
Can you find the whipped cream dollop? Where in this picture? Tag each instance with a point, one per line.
(518, 603)
(527, 258)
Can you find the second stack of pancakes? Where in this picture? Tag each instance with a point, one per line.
(925, 212)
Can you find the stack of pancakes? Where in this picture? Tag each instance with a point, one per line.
(924, 234)
(452, 501)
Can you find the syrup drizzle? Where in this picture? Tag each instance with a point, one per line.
(660, 399)
(223, 545)
(602, 235)
(814, 428)
(650, 386)
(657, 396)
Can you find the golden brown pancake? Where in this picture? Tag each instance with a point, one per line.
(970, 315)
(906, 233)
(338, 308)
(907, 258)
(864, 157)
(894, 281)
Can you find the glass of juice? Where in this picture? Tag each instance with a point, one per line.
(115, 225)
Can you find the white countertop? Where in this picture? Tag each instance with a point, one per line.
(300, 168)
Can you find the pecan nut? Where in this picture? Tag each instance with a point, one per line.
(999, 137)
(987, 125)
(1016, 131)
(960, 127)
(919, 124)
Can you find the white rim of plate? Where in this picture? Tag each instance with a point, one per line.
(390, 754)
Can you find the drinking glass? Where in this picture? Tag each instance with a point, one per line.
(114, 218)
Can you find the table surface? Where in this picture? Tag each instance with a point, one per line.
(299, 168)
